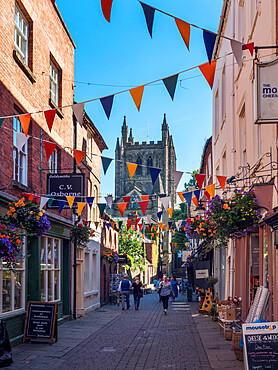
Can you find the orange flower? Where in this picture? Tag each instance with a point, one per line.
(226, 206)
(18, 241)
(12, 209)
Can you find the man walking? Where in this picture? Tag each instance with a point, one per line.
(124, 289)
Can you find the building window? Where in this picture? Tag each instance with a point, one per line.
(50, 269)
(149, 163)
(89, 146)
(224, 164)
(12, 288)
(139, 167)
(54, 83)
(95, 207)
(87, 274)
(216, 114)
(21, 32)
(241, 21)
(223, 93)
(20, 156)
(53, 162)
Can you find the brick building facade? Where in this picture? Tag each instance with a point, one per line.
(37, 74)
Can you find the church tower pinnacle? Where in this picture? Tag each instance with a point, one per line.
(165, 131)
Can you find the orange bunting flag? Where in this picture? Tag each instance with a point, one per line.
(131, 169)
(180, 195)
(211, 190)
(208, 71)
(70, 201)
(161, 225)
(122, 207)
(170, 211)
(152, 234)
(222, 181)
(137, 94)
(184, 29)
(49, 148)
(145, 197)
(195, 201)
(78, 154)
(25, 122)
(166, 228)
(80, 206)
(49, 117)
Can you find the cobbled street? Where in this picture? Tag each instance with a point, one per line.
(110, 338)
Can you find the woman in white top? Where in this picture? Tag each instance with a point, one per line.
(166, 289)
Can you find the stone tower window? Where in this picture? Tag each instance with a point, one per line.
(149, 163)
(139, 168)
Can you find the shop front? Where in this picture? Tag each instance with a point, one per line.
(42, 274)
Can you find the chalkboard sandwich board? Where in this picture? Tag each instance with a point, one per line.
(260, 342)
(41, 322)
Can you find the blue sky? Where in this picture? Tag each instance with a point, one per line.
(119, 55)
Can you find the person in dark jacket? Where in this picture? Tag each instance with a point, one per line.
(124, 289)
(137, 292)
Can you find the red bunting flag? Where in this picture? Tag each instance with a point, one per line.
(78, 154)
(122, 207)
(144, 205)
(200, 179)
(207, 194)
(49, 148)
(184, 29)
(126, 200)
(249, 47)
(106, 6)
(128, 224)
(49, 116)
(148, 228)
(129, 236)
(140, 226)
(25, 122)
(222, 181)
(137, 221)
(208, 71)
(188, 221)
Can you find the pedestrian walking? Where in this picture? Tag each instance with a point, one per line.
(137, 292)
(157, 287)
(165, 291)
(175, 288)
(124, 289)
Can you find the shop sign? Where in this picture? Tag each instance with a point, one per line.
(202, 274)
(122, 259)
(260, 341)
(41, 322)
(267, 92)
(62, 185)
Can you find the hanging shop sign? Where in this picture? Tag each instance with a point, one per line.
(122, 259)
(267, 92)
(201, 272)
(62, 185)
(41, 322)
(260, 341)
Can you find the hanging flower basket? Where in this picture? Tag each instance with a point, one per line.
(202, 229)
(26, 214)
(80, 234)
(110, 256)
(235, 216)
(10, 245)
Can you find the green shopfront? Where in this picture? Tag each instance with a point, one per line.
(43, 273)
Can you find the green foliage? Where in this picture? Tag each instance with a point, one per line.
(192, 182)
(179, 237)
(132, 246)
(80, 233)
